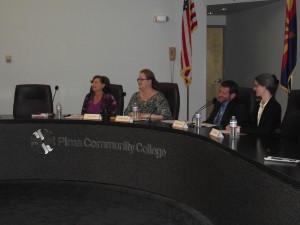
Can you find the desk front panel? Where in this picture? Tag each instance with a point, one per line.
(188, 168)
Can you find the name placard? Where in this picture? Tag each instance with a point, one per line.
(123, 119)
(88, 116)
(216, 133)
(179, 124)
(40, 116)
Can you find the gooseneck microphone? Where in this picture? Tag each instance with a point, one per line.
(209, 103)
(155, 109)
(56, 88)
(122, 95)
(106, 113)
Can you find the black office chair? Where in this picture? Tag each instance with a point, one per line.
(117, 91)
(32, 99)
(247, 96)
(291, 121)
(294, 100)
(171, 92)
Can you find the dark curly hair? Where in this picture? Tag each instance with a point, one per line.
(233, 86)
(103, 80)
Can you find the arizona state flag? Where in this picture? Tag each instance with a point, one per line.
(289, 58)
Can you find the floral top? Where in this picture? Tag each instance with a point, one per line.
(107, 102)
(157, 104)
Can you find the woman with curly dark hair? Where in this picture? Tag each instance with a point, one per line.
(99, 99)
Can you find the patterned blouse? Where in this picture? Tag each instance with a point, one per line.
(107, 102)
(157, 104)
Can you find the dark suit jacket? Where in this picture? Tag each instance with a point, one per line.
(234, 108)
(270, 119)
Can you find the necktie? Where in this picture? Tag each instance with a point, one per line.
(219, 116)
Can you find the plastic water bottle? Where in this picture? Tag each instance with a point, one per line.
(233, 143)
(135, 110)
(58, 110)
(198, 119)
(233, 127)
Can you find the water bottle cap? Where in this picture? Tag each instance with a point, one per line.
(198, 115)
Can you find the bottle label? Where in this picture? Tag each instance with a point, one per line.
(233, 124)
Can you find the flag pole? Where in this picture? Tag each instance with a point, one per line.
(187, 102)
(189, 24)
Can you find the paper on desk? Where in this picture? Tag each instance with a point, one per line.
(189, 122)
(74, 116)
(168, 121)
(208, 124)
(225, 131)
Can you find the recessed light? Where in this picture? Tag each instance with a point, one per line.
(223, 9)
(209, 13)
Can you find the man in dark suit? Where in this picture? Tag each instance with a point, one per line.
(228, 105)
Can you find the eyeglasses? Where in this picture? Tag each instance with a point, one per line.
(141, 79)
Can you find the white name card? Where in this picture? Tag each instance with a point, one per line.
(92, 117)
(179, 124)
(216, 133)
(124, 119)
(40, 116)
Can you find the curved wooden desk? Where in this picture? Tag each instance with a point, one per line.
(227, 185)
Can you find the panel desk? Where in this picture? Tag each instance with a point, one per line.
(218, 181)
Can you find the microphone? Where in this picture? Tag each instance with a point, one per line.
(56, 88)
(122, 95)
(106, 112)
(209, 103)
(155, 109)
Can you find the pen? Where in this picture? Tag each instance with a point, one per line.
(279, 158)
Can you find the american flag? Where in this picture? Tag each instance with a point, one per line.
(289, 58)
(189, 24)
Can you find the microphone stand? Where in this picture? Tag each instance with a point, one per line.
(56, 88)
(209, 103)
(106, 113)
(51, 115)
(155, 110)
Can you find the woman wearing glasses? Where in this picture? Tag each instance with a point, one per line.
(98, 99)
(266, 117)
(150, 102)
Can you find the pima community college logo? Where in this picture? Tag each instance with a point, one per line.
(42, 141)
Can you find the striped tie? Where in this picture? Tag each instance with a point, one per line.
(219, 116)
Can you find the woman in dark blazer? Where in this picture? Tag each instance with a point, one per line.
(266, 116)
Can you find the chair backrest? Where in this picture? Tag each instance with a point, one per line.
(290, 125)
(294, 100)
(117, 90)
(291, 120)
(171, 92)
(248, 97)
(32, 98)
